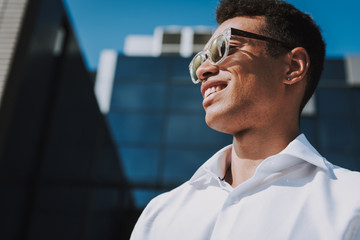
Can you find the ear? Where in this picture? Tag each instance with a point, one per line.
(299, 63)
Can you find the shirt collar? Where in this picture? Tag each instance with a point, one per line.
(302, 149)
(297, 151)
(214, 168)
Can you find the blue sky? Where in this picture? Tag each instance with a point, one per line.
(101, 24)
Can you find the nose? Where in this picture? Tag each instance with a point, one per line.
(206, 70)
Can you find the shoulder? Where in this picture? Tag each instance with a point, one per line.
(347, 178)
(339, 189)
(155, 214)
(346, 185)
(164, 200)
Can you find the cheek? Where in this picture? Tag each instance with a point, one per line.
(242, 84)
(251, 94)
(258, 80)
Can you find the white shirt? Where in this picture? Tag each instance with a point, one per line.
(295, 194)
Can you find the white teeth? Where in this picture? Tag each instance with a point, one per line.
(212, 90)
(207, 92)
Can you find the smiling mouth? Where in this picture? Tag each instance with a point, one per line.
(214, 89)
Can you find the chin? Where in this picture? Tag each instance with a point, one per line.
(219, 124)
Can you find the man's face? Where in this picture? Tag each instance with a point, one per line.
(248, 83)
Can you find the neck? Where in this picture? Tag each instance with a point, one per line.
(251, 147)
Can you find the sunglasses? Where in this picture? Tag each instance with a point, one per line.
(219, 49)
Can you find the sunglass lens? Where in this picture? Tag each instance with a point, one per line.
(197, 61)
(218, 48)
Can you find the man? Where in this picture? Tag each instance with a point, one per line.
(257, 72)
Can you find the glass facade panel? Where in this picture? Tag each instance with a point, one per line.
(201, 38)
(343, 159)
(138, 96)
(140, 164)
(308, 127)
(334, 72)
(186, 98)
(140, 69)
(172, 38)
(192, 130)
(180, 71)
(336, 134)
(136, 127)
(181, 164)
(355, 102)
(333, 101)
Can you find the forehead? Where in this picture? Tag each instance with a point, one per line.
(250, 24)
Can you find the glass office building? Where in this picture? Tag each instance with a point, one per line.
(157, 121)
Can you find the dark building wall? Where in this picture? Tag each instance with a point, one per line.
(60, 175)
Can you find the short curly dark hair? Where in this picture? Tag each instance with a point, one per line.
(287, 24)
